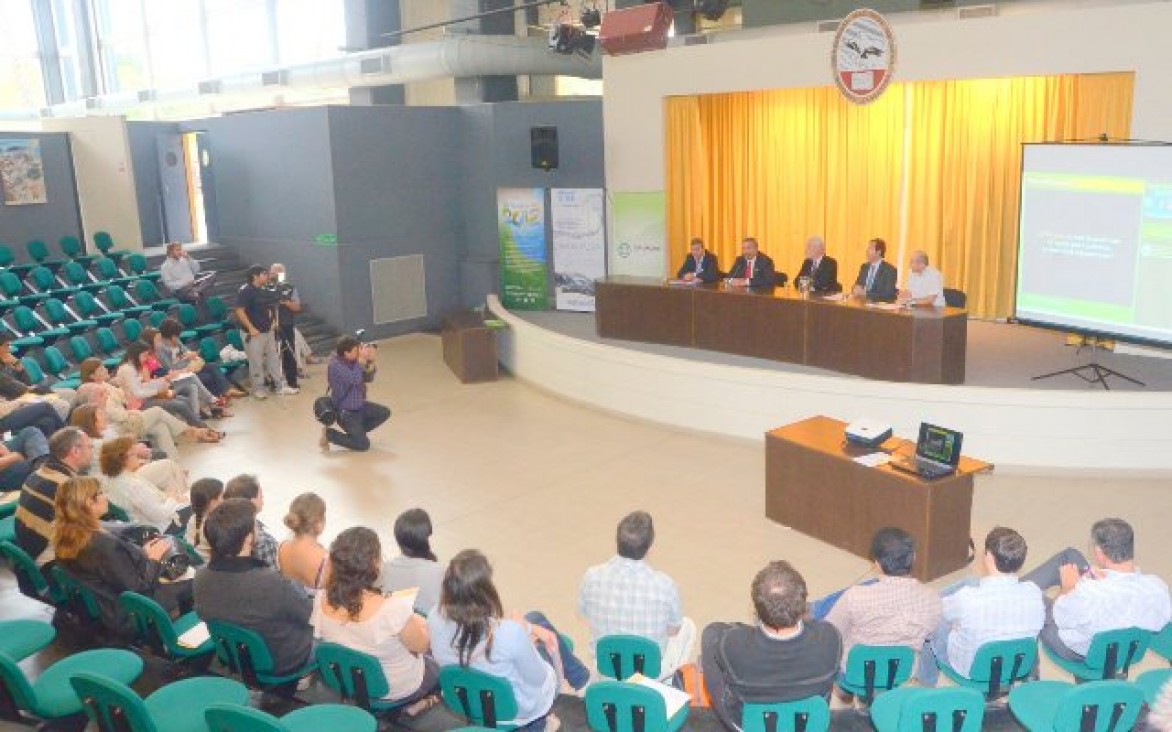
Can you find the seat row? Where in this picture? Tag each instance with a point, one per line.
(71, 249)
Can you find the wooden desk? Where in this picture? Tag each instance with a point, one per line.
(469, 347)
(925, 345)
(813, 485)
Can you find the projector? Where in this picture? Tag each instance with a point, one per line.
(867, 432)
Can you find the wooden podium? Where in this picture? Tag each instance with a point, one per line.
(469, 347)
(813, 485)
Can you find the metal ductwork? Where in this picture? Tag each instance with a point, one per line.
(459, 57)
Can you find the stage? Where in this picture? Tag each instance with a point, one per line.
(1008, 419)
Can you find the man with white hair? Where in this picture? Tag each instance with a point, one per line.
(821, 269)
(286, 326)
(925, 284)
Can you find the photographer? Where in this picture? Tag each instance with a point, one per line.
(350, 370)
(256, 311)
(287, 309)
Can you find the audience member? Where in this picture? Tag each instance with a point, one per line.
(416, 565)
(895, 610)
(70, 452)
(264, 547)
(350, 370)
(237, 588)
(16, 415)
(469, 628)
(184, 379)
(625, 596)
(256, 313)
(996, 607)
(19, 455)
(301, 557)
(877, 278)
(1109, 595)
(780, 658)
(206, 494)
(108, 564)
(144, 390)
(182, 276)
(752, 268)
(15, 382)
(173, 355)
(353, 613)
(925, 284)
(700, 264)
(164, 506)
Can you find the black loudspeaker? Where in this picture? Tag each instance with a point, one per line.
(543, 147)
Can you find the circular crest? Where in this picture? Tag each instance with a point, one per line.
(863, 58)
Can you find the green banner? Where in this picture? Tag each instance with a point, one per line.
(524, 268)
(639, 244)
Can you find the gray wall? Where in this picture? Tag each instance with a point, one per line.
(50, 221)
(274, 187)
(144, 159)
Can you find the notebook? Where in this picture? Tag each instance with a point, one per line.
(937, 453)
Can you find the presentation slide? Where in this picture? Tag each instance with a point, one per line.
(1095, 240)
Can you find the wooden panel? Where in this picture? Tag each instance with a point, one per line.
(469, 347)
(644, 310)
(751, 324)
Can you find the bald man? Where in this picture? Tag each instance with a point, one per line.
(925, 284)
(821, 269)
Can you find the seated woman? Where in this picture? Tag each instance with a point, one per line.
(353, 613)
(416, 565)
(177, 395)
(468, 628)
(208, 405)
(301, 557)
(206, 494)
(107, 564)
(172, 354)
(146, 501)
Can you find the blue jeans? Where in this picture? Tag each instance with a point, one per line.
(577, 674)
(353, 426)
(29, 442)
(40, 415)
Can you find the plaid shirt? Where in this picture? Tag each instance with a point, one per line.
(999, 608)
(627, 596)
(265, 548)
(895, 611)
(348, 381)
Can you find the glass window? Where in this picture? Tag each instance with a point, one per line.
(239, 35)
(175, 42)
(122, 45)
(308, 30)
(66, 27)
(21, 83)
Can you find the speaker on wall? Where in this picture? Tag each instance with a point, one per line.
(543, 147)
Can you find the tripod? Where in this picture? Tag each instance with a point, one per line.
(1093, 372)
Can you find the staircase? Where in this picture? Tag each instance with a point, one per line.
(231, 276)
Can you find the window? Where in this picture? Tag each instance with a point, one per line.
(175, 42)
(239, 35)
(21, 83)
(122, 50)
(308, 30)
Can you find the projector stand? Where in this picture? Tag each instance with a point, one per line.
(1098, 375)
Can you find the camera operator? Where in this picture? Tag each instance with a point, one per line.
(287, 308)
(256, 309)
(350, 370)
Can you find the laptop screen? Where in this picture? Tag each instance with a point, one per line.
(939, 445)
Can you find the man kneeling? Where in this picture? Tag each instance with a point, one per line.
(350, 370)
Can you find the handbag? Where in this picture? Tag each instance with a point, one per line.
(324, 412)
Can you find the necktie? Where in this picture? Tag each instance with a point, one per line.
(749, 269)
(871, 276)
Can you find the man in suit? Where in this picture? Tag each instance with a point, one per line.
(752, 269)
(876, 280)
(821, 269)
(700, 265)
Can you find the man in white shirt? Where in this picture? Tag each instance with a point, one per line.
(181, 275)
(925, 284)
(995, 607)
(1110, 595)
(626, 596)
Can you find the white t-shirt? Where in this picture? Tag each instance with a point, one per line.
(377, 636)
(927, 283)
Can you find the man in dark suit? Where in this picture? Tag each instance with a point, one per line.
(700, 265)
(752, 269)
(877, 278)
(821, 269)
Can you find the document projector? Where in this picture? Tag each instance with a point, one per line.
(867, 432)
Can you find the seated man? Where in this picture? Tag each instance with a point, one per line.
(700, 265)
(182, 277)
(70, 452)
(752, 268)
(894, 610)
(996, 607)
(1110, 595)
(925, 284)
(236, 588)
(247, 487)
(625, 596)
(821, 269)
(877, 278)
(780, 658)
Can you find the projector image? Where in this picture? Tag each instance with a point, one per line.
(867, 432)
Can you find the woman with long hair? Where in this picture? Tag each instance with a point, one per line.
(352, 612)
(301, 557)
(162, 506)
(469, 628)
(109, 564)
(157, 365)
(206, 494)
(416, 565)
(144, 389)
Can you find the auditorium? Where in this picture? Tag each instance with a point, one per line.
(603, 365)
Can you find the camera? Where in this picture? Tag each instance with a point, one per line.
(274, 293)
(175, 562)
(360, 334)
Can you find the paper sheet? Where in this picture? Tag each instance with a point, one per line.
(196, 637)
(673, 699)
(874, 459)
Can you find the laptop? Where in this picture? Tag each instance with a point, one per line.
(937, 453)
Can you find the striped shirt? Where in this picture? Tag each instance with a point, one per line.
(35, 511)
(999, 608)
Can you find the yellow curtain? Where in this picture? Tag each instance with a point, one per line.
(782, 165)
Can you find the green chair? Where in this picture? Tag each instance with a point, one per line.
(30, 575)
(1058, 706)
(147, 294)
(138, 265)
(997, 667)
(315, 718)
(617, 706)
(29, 325)
(12, 288)
(154, 628)
(354, 676)
(32, 368)
(59, 368)
(1162, 642)
(60, 317)
(131, 329)
(1152, 682)
(8, 526)
(245, 653)
(39, 252)
(71, 248)
(233, 336)
(77, 278)
(188, 317)
(108, 346)
(90, 308)
(106, 270)
(811, 714)
(76, 597)
(117, 299)
(41, 280)
(910, 709)
(620, 656)
(217, 316)
(872, 670)
(50, 696)
(7, 509)
(1110, 656)
(156, 318)
(482, 699)
(177, 707)
(20, 639)
(6, 256)
(105, 244)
